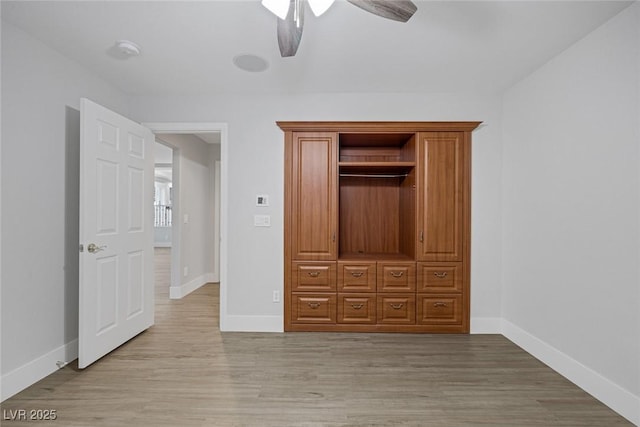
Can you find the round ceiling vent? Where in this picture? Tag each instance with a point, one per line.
(251, 63)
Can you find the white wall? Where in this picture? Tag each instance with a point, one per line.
(193, 196)
(41, 93)
(255, 166)
(571, 241)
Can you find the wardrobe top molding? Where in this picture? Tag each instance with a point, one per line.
(382, 127)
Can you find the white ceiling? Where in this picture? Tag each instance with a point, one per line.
(188, 47)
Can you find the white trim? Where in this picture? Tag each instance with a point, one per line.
(162, 244)
(237, 323)
(216, 225)
(26, 375)
(177, 292)
(186, 127)
(615, 397)
(486, 325)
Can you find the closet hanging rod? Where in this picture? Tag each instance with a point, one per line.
(374, 175)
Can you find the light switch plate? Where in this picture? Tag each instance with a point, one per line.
(262, 220)
(262, 200)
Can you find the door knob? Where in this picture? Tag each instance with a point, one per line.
(93, 248)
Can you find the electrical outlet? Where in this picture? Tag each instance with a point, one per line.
(276, 296)
(185, 271)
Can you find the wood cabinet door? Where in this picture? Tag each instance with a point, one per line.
(314, 196)
(442, 177)
(356, 277)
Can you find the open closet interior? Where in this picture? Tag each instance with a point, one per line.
(376, 196)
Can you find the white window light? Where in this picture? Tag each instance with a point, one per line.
(318, 7)
(281, 7)
(277, 7)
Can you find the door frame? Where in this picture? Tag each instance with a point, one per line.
(204, 127)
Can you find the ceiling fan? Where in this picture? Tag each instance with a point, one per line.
(291, 16)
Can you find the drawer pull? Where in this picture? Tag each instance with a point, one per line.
(314, 273)
(396, 273)
(357, 306)
(313, 305)
(440, 275)
(396, 306)
(439, 304)
(357, 273)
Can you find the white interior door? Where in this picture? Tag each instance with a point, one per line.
(116, 231)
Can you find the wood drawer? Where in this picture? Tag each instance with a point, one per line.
(313, 276)
(313, 308)
(397, 309)
(439, 309)
(356, 277)
(396, 277)
(440, 277)
(357, 308)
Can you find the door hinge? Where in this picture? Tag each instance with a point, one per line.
(81, 247)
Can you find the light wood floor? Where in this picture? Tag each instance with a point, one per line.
(185, 372)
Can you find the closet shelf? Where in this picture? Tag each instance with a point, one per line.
(396, 168)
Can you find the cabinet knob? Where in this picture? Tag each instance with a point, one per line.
(313, 305)
(439, 304)
(441, 275)
(357, 273)
(396, 273)
(314, 273)
(396, 306)
(357, 306)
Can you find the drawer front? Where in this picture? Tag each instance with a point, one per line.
(308, 276)
(439, 309)
(440, 277)
(397, 309)
(356, 277)
(313, 308)
(357, 308)
(396, 277)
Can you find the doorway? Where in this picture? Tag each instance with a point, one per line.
(162, 219)
(183, 216)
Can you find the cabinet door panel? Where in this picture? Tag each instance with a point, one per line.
(314, 196)
(356, 277)
(397, 309)
(440, 277)
(313, 308)
(441, 196)
(439, 309)
(357, 308)
(310, 276)
(396, 277)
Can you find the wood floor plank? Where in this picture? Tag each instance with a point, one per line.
(185, 372)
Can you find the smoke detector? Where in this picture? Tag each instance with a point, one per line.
(128, 48)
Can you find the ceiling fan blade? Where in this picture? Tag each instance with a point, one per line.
(398, 10)
(290, 30)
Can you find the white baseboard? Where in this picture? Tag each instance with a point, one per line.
(617, 398)
(20, 378)
(486, 325)
(235, 323)
(177, 292)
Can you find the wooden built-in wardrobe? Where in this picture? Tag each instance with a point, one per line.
(377, 226)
